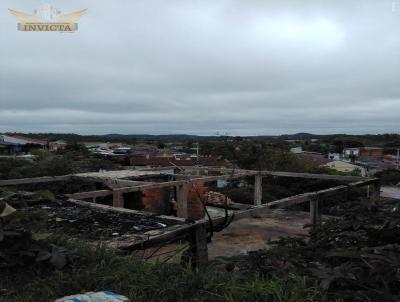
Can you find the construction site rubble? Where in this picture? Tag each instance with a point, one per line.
(217, 198)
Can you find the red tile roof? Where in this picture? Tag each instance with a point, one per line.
(31, 140)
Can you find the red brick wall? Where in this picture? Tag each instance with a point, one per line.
(195, 206)
(371, 153)
(196, 189)
(155, 200)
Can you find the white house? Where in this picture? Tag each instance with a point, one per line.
(348, 152)
(296, 150)
(57, 145)
(334, 156)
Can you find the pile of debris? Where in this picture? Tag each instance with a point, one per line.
(216, 198)
(71, 219)
(95, 224)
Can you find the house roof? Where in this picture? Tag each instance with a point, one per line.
(171, 161)
(9, 140)
(372, 148)
(60, 142)
(29, 140)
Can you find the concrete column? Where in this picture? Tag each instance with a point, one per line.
(182, 200)
(118, 200)
(315, 214)
(376, 191)
(198, 246)
(257, 189)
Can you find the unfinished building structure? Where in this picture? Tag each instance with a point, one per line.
(153, 190)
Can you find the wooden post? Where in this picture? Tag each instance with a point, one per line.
(198, 246)
(118, 200)
(315, 215)
(182, 200)
(257, 189)
(376, 191)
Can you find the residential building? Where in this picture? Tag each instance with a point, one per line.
(14, 144)
(296, 150)
(351, 153)
(374, 152)
(57, 145)
(334, 156)
(322, 161)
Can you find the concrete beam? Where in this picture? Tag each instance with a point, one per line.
(91, 194)
(20, 181)
(104, 207)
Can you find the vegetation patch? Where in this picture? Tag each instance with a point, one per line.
(389, 177)
(354, 258)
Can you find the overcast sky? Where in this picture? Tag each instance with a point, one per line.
(242, 67)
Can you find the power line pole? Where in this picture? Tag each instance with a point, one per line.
(197, 158)
(197, 154)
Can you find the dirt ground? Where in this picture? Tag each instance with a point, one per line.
(242, 236)
(254, 233)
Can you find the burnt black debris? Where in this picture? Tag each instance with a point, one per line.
(95, 224)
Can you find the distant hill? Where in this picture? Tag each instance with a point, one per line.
(119, 137)
(300, 136)
(387, 140)
(115, 137)
(164, 137)
(181, 137)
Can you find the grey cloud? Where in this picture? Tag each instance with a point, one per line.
(243, 67)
